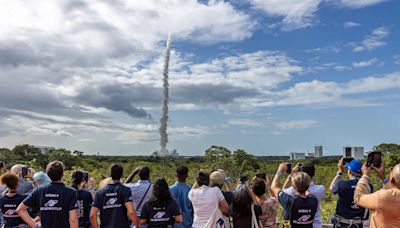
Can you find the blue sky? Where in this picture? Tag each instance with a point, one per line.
(271, 77)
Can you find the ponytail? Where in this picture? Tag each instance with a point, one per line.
(77, 178)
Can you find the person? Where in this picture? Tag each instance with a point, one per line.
(114, 202)
(22, 172)
(244, 209)
(300, 209)
(91, 186)
(269, 205)
(10, 201)
(348, 213)
(206, 200)
(56, 201)
(39, 179)
(384, 203)
(217, 179)
(84, 198)
(180, 191)
(316, 190)
(161, 210)
(31, 173)
(141, 189)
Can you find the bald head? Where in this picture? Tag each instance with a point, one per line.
(15, 169)
(396, 173)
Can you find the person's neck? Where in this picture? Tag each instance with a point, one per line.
(261, 198)
(115, 181)
(181, 181)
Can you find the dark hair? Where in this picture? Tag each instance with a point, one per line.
(161, 195)
(258, 187)
(24, 171)
(182, 171)
(309, 169)
(144, 173)
(2, 164)
(77, 177)
(10, 180)
(85, 176)
(55, 170)
(203, 178)
(241, 201)
(116, 171)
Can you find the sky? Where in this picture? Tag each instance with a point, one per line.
(267, 76)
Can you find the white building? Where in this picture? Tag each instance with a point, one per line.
(354, 152)
(318, 151)
(44, 149)
(297, 156)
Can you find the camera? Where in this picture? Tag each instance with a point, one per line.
(347, 160)
(375, 159)
(288, 168)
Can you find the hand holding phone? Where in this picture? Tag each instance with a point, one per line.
(375, 159)
(288, 168)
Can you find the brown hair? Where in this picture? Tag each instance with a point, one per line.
(10, 180)
(55, 170)
(301, 181)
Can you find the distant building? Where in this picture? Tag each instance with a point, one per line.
(297, 156)
(318, 151)
(354, 152)
(44, 149)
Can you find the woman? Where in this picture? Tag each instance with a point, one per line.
(10, 201)
(244, 211)
(206, 201)
(300, 209)
(269, 206)
(84, 198)
(161, 210)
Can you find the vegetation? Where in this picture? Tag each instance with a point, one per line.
(235, 163)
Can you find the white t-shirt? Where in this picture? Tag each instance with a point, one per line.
(319, 192)
(204, 201)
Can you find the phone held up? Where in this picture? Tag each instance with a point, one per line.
(347, 160)
(262, 176)
(375, 159)
(288, 168)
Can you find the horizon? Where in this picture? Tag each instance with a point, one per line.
(265, 76)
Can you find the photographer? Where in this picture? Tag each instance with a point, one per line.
(348, 214)
(383, 203)
(299, 209)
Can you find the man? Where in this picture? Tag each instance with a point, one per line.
(141, 190)
(317, 190)
(299, 209)
(114, 202)
(56, 201)
(180, 191)
(348, 214)
(22, 172)
(384, 203)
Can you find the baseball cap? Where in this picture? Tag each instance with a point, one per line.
(41, 178)
(354, 166)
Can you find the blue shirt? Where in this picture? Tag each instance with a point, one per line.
(299, 210)
(180, 191)
(55, 201)
(345, 206)
(111, 202)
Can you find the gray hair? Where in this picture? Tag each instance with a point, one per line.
(41, 178)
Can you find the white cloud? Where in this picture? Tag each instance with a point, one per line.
(373, 41)
(296, 14)
(350, 24)
(341, 68)
(245, 123)
(365, 63)
(355, 4)
(396, 59)
(295, 124)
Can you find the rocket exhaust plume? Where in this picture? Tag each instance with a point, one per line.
(164, 117)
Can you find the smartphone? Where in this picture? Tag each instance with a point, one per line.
(24, 171)
(375, 159)
(243, 179)
(289, 168)
(262, 175)
(2, 165)
(347, 160)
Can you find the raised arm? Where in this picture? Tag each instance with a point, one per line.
(362, 195)
(275, 183)
(133, 174)
(338, 175)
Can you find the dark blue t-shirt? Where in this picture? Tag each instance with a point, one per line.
(8, 205)
(345, 206)
(55, 201)
(111, 202)
(300, 211)
(160, 216)
(228, 197)
(85, 201)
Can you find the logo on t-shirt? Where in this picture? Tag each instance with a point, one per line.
(112, 203)
(10, 213)
(304, 218)
(51, 203)
(50, 206)
(159, 214)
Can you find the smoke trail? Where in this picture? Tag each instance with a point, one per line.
(164, 117)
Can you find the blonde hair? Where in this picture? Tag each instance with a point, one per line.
(301, 181)
(217, 178)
